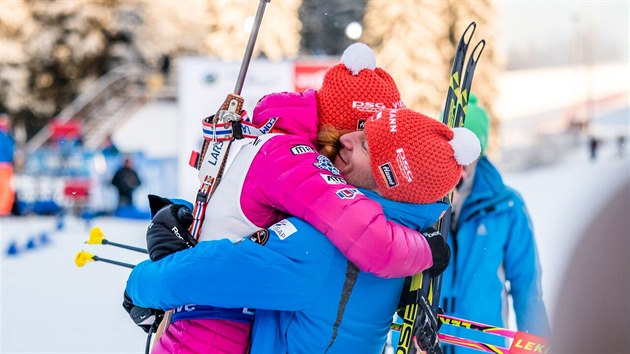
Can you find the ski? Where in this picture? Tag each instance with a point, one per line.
(473, 344)
(463, 93)
(419, 316)
(521, 342)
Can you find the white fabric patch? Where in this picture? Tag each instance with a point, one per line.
(283, 229)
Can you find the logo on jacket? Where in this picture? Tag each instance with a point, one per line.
(330, 179)
(324, 163)
(348, 193)
(301, 149)
(260, 237)
(283, 229)
(388, 175)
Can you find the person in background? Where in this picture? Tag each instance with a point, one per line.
(7, 147)
(109, 148)
(126, 180)
(493, 251)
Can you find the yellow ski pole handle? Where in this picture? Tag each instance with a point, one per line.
(97, 237)
(83, 257)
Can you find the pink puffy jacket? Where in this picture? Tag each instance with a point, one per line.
(282, 174)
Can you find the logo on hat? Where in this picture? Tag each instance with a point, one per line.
(388, 174)
(368, 106)
(405, 169)
(360, 124)
(392, 121)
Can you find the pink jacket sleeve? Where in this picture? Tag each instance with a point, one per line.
(291, 182)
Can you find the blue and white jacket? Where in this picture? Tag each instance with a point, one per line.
(308, 297)
(494, 244)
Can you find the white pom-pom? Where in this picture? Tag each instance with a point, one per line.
(466, 146)
(357, 57)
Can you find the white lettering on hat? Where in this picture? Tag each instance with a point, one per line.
(368, 106)
(392, 121)
(403, 165)
(399, 104)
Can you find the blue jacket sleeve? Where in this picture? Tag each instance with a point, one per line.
(230, 275)
(523, 271)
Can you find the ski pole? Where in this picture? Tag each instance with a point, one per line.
(84, 257)
(472, 344)
(97, 237)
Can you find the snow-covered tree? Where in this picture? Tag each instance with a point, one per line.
(404, 36)
(57, 48)
(415, 42)
(485, 85)
(228, 33)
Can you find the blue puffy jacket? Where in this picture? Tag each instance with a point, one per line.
(494, 244)
(308, 297)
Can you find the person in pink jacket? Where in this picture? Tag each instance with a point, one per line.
(280, 174)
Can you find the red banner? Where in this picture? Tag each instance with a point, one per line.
(310, 74)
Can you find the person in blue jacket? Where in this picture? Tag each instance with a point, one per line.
(493, 244)
(308, 297)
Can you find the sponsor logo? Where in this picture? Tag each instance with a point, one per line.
(388, 174)
(360, 124)
(283, 229)
(330, 179)
(324, 163)
(186, 308)
(348, 193)
(368, 106)
(267, 127)
(260, 237)
(399, 104)
(377, 116)
(525, 343)
(392, 121)
(301, 149)
(403, 165)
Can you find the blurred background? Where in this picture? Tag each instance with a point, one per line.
(88, 85)
(80, 76)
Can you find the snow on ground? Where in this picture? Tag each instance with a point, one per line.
(49, 305)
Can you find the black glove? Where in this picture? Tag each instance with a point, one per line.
(168, 231)
(147, 319)
(440, 251)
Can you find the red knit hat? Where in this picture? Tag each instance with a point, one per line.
(414, 158)
(353, 90)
